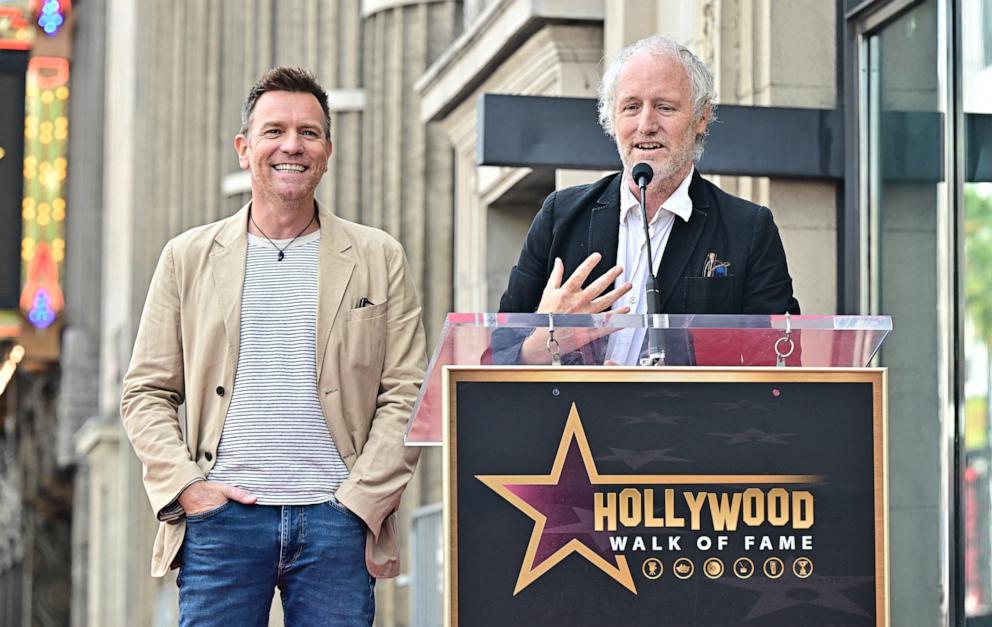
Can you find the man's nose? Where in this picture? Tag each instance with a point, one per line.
(291, 143)
(648, 120)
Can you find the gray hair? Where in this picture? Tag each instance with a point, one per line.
(701, 81)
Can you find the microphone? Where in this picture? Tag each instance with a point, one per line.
(642, 173)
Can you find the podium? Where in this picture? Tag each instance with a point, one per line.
(743, 483)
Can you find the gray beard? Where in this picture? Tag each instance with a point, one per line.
(672, 166)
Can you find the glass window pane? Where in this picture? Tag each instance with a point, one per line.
(976, 57)
(905, 207)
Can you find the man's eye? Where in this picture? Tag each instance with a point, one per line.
(271, 132)
(309, 133)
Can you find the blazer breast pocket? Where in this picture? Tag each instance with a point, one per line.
(711, 295)
(364, 343)
(367, 312)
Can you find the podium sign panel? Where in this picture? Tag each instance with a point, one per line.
(592, 497)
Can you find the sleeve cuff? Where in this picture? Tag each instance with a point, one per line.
(172, 512)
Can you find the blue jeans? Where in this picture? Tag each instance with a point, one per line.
(235, 555)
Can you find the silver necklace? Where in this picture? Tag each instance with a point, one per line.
(282, 251)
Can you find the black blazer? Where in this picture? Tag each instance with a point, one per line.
(577, 221)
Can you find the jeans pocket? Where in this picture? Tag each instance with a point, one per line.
(337, 506)
(209, 513)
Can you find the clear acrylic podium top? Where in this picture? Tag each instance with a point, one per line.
(478, 339)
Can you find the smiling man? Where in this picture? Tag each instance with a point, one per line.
(294, 339)
(712, 252)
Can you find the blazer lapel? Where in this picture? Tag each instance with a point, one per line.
(604, 229)
(227, 266)
(336, 266)
(682, 241)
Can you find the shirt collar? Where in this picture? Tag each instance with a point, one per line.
(678, 203)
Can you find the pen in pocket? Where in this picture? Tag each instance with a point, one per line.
(714, 267)
(709, 265)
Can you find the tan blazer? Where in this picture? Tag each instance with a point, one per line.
(370, 362)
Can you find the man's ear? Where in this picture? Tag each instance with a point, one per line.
(241, 147)
(704, 120)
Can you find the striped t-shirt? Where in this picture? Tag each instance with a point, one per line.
(275, 443)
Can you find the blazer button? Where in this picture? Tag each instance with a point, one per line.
(208, 456)
(220, 390)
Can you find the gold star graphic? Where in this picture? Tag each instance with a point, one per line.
(533, 567)
(554, 502)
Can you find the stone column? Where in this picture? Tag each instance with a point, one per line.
(406, 189)
(99, 442)
(80, 360)
(511, 46)
(763, 57)
(106, 525)
(406, 184)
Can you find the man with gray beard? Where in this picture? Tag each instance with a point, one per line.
(713, 253)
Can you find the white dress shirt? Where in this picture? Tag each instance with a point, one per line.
(625, 346)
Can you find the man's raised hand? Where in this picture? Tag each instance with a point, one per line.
(571, 297)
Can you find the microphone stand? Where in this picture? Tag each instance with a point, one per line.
(656, 350)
